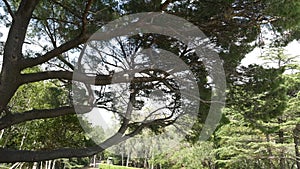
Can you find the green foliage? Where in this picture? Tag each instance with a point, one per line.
(262, 118)
(288, 10)
(44, 134)
(75, 163)
(198, 156)
(61, 21)
(39, 95)
(262, 96)
(109, 166)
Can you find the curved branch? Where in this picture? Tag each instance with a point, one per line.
(16, 118)
(83, 37)
(10, 156)
(30, 62)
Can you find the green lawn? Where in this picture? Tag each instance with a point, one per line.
(106, 166)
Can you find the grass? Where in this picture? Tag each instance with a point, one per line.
(106, 166)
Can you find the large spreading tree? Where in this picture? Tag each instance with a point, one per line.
(60, 29)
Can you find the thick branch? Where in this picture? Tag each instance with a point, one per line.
(157, 122)
(88, 79)
(64, 47)
(16, 118)
(55, 52)
(10, 156)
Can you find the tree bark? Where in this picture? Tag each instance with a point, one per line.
(9, 78)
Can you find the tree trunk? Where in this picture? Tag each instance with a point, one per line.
(122, 154)
(14, 166)
(35, 164)
(145, 160)
(10, 74)
(7, 137)
(49, 164)
(21, 166)
(1, 135)
(53, 164)
(128, 159)
(23, 139)
(281, 141)
(296, 142)
(94, 160)
(152, 163)
(271, 165)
